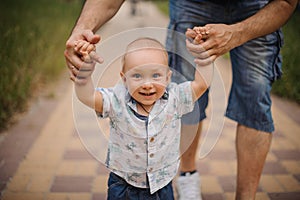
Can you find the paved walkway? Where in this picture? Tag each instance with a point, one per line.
(42, 157)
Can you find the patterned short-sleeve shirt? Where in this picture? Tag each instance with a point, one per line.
(145, 153)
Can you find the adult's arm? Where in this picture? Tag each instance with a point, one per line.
(94, 14)
(222, 38)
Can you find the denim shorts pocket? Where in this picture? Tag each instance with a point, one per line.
(277, 68)
(117, 188)
(275, 39)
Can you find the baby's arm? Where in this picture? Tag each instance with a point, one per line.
(199, 85)
(87, 51)
(203, 74)
(85, 91)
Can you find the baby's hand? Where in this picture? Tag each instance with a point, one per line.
(197, 34)
(86, 49)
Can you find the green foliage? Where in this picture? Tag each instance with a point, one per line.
(163, 6)
(289, 85)
(33, 35)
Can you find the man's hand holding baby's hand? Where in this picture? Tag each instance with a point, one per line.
(197, 35)
(195, 38)
(87, 51)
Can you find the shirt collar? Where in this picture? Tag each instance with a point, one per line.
(131, 102)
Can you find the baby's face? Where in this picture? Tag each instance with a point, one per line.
(146, 75)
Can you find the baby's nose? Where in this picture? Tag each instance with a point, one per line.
(147, 85)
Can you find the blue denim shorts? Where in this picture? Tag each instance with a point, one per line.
(255, 64)
(119, 189)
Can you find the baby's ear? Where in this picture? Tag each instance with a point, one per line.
(169, 76)
(123, 77)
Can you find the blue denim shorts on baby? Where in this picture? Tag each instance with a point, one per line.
(119, 189)
(255, 64)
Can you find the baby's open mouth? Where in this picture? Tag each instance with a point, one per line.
(147, 94)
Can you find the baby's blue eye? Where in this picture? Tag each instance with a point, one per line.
(156, 75)
(136, 76)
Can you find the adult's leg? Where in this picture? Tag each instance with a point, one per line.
(252, 148)
(187, 14)
(255, 66)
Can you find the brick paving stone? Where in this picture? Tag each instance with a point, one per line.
(19, 183)
(102, 169)
(270, 184)
(68, 196)
(203, 167)
(210, 185)
(77, 167)
(23, 196)
(285, 196)
(297, 176)
(72, 184)
(287, 154)
(271, 157)
(223, 167)
(262, 196)
(289, 183)
(292, 166)
(100, 184)
(223, 155)
(229, 195)
(99, 196)
(274, 168)
(40, 183)
(227, 183)
(217, 196)
(77, 155)
(283, 143)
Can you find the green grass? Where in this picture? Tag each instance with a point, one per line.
(33, 35)
(163, 6)
(289, 85)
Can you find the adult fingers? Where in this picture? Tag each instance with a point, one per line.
(205, 61)
(87, 64)
(80, 80)
(194, 48)
(72, 59)
(79, 76)
(96, 57)
(91, 37)
(190, 33)
(72, 76)
(197, 51)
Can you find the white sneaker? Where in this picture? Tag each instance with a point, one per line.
(188, 187)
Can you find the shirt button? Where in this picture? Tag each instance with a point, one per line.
(152, 139)
(151, 155)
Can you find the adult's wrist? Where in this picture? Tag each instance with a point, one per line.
(240, 34)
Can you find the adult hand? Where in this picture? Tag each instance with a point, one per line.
(74, 59)
(221, 38)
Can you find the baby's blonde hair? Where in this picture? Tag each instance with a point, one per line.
(142, 44)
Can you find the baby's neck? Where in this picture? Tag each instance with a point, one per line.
(144, 109)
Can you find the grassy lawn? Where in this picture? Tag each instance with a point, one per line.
(33, 35)
(289, 85)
